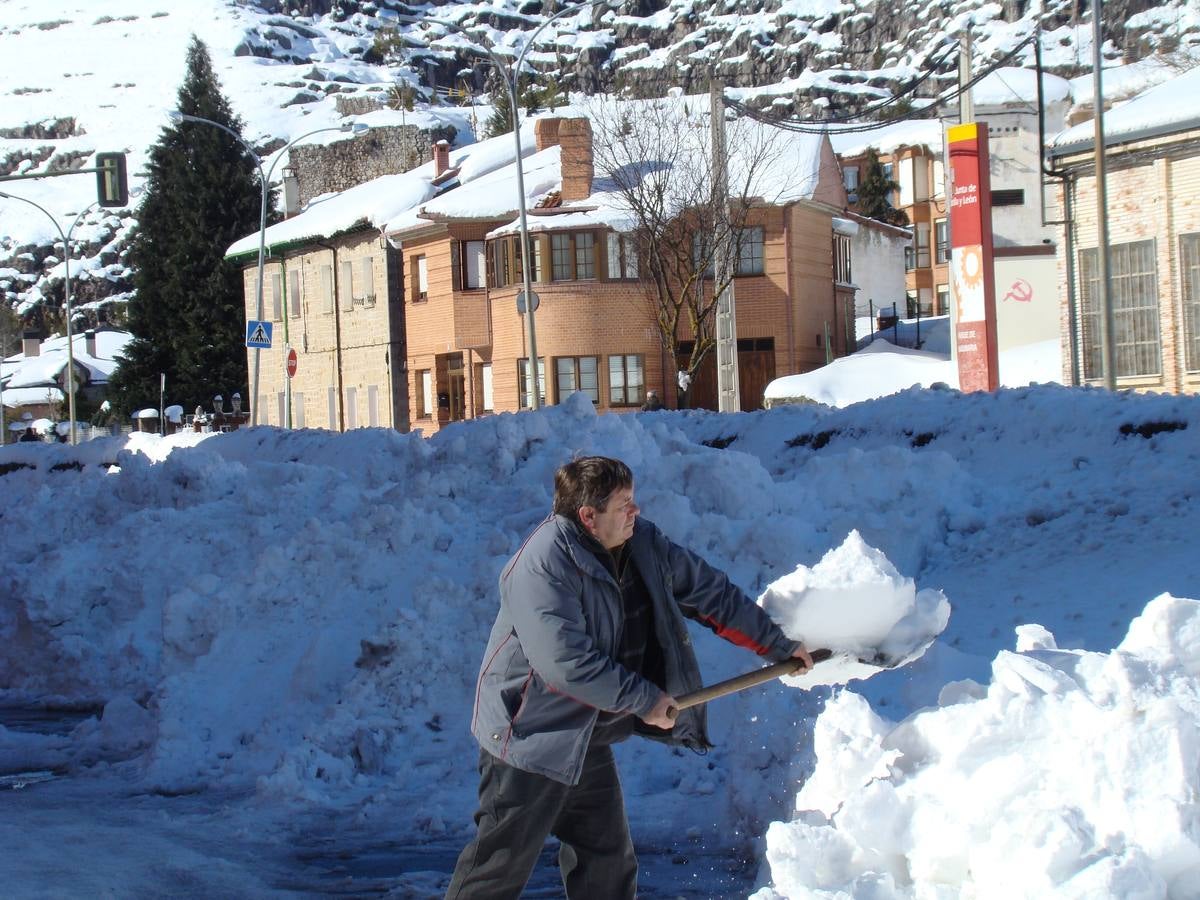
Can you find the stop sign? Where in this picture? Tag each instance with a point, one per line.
(291, 363)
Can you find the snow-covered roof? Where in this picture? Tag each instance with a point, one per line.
(775, 166)
(1011, 85)
(38, 375)
(1167, 108)
(387, 203)
(888, 139)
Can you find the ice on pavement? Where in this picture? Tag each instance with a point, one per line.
(856, 604)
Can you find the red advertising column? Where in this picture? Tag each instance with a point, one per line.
(971, 268)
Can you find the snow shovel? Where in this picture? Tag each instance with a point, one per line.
(864, 669)
(741, 682)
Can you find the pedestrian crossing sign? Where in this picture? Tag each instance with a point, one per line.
(258, 334)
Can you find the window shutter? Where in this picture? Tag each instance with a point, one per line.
(456, 268)
(327, 287)
(346, 287)
(276, 298)
(368, 278)
(294, 297)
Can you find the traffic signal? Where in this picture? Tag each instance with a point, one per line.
(112, 186)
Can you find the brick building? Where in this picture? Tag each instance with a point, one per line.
(1153, 160)
(407, 315)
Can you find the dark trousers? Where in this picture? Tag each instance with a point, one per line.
(519, 810)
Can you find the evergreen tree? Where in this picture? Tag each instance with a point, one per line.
(875, 193)
(188, 314)
(500, 121)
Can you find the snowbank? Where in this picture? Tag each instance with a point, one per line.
(1073, 774)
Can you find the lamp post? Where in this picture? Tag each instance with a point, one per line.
(66, 239)
(511, 76)
(264, 179)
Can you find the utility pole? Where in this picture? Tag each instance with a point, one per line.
(728, 390)
(966, 108)
(1104, 282)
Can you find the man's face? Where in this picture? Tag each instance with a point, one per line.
(613, 526)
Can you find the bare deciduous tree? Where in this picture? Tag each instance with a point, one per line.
(657, 158)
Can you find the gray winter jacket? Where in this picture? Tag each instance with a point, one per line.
(549, 667)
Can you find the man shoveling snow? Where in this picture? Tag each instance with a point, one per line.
(589, 646)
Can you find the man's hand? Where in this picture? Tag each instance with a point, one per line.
(658, 715)
(802, 654)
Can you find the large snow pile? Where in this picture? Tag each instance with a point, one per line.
(1072, 774)
(301, 614)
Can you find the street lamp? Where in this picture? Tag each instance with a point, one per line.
(264, 179)
(66, 239)
(510, 81)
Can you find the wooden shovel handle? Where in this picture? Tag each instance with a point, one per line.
(741, 682)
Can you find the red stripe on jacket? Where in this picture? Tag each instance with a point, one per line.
(734, 636)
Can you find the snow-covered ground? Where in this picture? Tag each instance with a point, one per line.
(271, 640)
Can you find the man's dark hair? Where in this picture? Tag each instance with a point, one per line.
(588, 481)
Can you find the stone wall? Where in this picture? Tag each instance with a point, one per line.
(387, 150)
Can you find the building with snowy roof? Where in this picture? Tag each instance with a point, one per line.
(400, 295)
(34, 381)
(1152, 153)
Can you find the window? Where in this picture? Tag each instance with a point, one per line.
(485, 380)
(331, 406)
(1008, 198)
(585, 255)
(420, 279)
(626, 380)
(941, 232)
(293, 297)
(368, 281)
(850, 178)
(373, 406)
(424, 394)
(841, 259)
(943, 300)
(297, 409)
(508, 267)
(910, 257)
(1189, 273)
(750, 251)
(572, 255)
(560, 257)
(622, 256)
(327, 288)
(351, 408)
(577, 373)
(1137, 347)
(474, 264)
(523, 382)
(346, 288)
(276, 298)
(921, 236)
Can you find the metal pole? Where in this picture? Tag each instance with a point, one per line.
(510, 80)
(729, 397)
(1107, 323)
(966, 107)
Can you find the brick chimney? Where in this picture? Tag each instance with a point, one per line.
(575, 138)
(441, 158)
(31, 344)
(89, 343)
(545, 133)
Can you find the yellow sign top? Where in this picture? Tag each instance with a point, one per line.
(965, 132)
